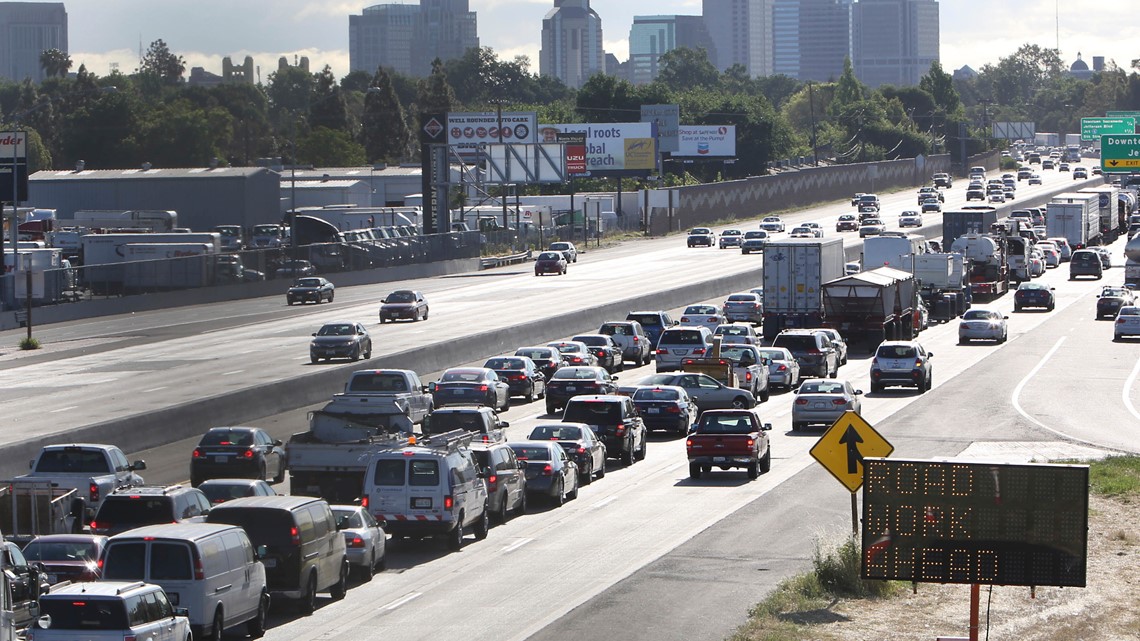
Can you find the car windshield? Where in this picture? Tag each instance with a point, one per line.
(575, 374)
(136, 510)
(774, 354)
(556, 432)
(592, 412)
(735, 352)
(656, 394)
(505, 363)
(700, 309)
(72, 460)
(531, 452)
(701, 230)
(401, 297)
(308, 282)
(822, 387)
(463, 376)
(559, 246)
(227, 437)
(755, 234)
(549, 256)
(725, 424)
(682, 337)
(794, 342)
(730, 232)
(733, 330)
(535, 354)
(616, 329)
(1130, 311)
(67, 613)
(596, 341)
(896, 351)
(646, 320)
(347, 519)
(1115, 293)
(61, 551)
(569, 348)
(336, 330)
(222, 492)
(377, 382)
(979, 314)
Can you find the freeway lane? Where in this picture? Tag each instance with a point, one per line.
(650, 553)
(138, 364)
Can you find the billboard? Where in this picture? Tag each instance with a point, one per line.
(668, 120)
(1014, 130)
(628, 148)
(466, 131)
(706, 141)
(575, 152)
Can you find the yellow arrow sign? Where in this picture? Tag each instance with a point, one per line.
(845, 444)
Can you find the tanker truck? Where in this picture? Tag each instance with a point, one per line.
(988, 271)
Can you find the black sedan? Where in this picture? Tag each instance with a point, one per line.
(342, 339)
(1110, 300)
(605, 350)
(550, 263)
(569, 382)
(313, 288)
(1037, 295)
(404, 304)
(665, 407)
(550, 472)
(467, 385)
(547, 359)
(580, 443)
(237, 452)
(522, 376)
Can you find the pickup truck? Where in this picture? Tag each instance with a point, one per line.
(93, 470)
(394, 384)
(740, 366)
(728, 439)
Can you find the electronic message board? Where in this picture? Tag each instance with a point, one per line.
(984, 523)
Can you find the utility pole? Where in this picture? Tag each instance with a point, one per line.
(811, 109)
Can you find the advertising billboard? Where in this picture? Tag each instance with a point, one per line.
(668, 120)
(706, 141)
(627, 148)
(575, 152)
(466, 131)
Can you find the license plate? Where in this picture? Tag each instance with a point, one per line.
(269, 563)
(654, 410)
(819, 406)
(571, 388)
(220, 459)
(421, 503)
(720, 459)
(460, 391)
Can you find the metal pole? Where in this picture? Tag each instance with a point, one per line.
(975, 602)
(811, 109)
(854, 516)
(28, 294)
(518, 220)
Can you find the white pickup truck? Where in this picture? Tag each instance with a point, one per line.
(399, 386)
(93, 470)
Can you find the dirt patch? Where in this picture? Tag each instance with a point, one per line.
(1107, 609)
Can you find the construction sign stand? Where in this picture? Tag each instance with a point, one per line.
(841, 451)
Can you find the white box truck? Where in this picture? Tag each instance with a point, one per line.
(794, 273)
(1075, 217)
(894, 250)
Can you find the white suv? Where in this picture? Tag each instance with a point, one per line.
(112, 610)
(905, 363)
(433, 486)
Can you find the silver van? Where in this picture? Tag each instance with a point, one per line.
(678, 343)
(211, 570)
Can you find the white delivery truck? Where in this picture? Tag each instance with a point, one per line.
(1075, 217)
(794, 273)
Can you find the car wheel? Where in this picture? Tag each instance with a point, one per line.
(550, 408)
(765, 394)
(314, 360)
(368, 354)
(455, 536)
(559, 498)
(1017, 308)
(256, 626)
(356, 355)
(330, 297)
(640, 453)
(627, 457)
(340, 588)
(740, 403)
(573, 494)
(507, 402)
(530, 395)
(766, 461)
(587, 475)
(483, 525)
(290, 303)
(694, 471)
(876, 388)
(218, 626)
(261, 471)
(753, 471)
(368, 570)
(308, 600)
(796, 426)
(601, 471)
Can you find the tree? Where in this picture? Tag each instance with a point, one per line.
(55, 63)
(848, 90)
(608, 99)
(160, 62)
(1016, 78)
(327, 107)
(356, 81)
(290, 92)
(325, 147)
(940, 85)
(435, 94)
(385, 133)
(685, 68)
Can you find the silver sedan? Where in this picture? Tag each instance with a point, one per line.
(783, 368)
(822, 401)
(706, 391)
(364, 539)
(982, 324)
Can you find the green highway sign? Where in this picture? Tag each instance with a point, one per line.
(1123, 114)
(1094, 128)
(1120, 154)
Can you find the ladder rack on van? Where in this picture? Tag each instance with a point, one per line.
(451, 441)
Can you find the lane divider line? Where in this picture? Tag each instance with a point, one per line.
(1124, 393)
(1021, 386)
(402, 600)
(516, 545)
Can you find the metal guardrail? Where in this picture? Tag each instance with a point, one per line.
(499, 261)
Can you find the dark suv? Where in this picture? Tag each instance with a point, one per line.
(131, 507)
(1085, 262)
(614, 419)
(812, 349)
(299, 544)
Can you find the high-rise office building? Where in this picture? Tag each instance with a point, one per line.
(811, 38)
(408, 37)
(572, 43)
(894, 41)
(742, 31)
(27, 29)
(652, 36)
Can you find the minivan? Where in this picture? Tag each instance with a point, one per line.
(210, 570)
(1085, 262)
(297, 540)
(678, 343)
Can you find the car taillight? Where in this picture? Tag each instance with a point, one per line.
(197, 453)
(575, 359)
(688, 442)
(712, 319)
(248, 454)
(1120, 321)
(620, 429)
(354, 542)
(127, 637)
(812, 351)
(199, 571)
(801, 401)
(673, 409)
(95, 526)
(364, 502)
(436, 389)
(492, 479)
(839, 401)
(748, 376)
(636, 340)
(918, 362)
(699, 351)
(662, 350)
(482, 388)
(547, 470)
(518, 377)
(751, 442)
(294, 536)
(93, 492)
(782, 368)
(581, 450)
(448, 502)
(684, 319)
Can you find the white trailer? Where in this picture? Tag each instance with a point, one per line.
(1075, 217)
(898, 251)
(155, 220)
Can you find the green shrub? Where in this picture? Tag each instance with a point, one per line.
(29, 343)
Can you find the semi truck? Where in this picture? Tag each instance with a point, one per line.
(872, 306)
(1075, 217)
(977, 219)
(988, 270)
(794, 273)
(942, 284)
(149, 267)
(1111, 210)
(893, 249)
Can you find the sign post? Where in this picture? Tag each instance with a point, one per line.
(841, 451)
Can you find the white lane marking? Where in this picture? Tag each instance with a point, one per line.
(63, 409)
(1124, 393)
(154, 389)
(236, 371)
(516, 545)
(1020, 386)
(411, 596)
(604, 502)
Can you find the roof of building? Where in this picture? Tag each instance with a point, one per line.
(1079, 65)
(153, 173)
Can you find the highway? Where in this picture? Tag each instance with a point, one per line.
(646, 551)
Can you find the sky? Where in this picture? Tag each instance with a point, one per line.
(103, 33)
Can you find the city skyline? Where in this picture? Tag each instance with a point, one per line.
(112, 31)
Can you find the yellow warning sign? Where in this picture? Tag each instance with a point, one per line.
(845, 444)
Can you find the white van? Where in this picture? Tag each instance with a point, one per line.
(428, 488)
(209, 569)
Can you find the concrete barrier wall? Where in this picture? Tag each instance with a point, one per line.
(705, 204)
(147, 302)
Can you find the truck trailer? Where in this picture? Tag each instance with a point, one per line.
(872, 306)
(1075, 217)
(794, 273)
(969, 220)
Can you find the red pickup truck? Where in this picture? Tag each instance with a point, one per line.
(729, 438)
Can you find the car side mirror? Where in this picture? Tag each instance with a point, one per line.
(181, 612)
(503, 424)
(522, 465)
(260, 551)
(314, 334)
(1005, 317)
(278, 443)
(930, 354)
(425, 389)
(138, 465)
(766, 427)
(614, 378)
(858, 392)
